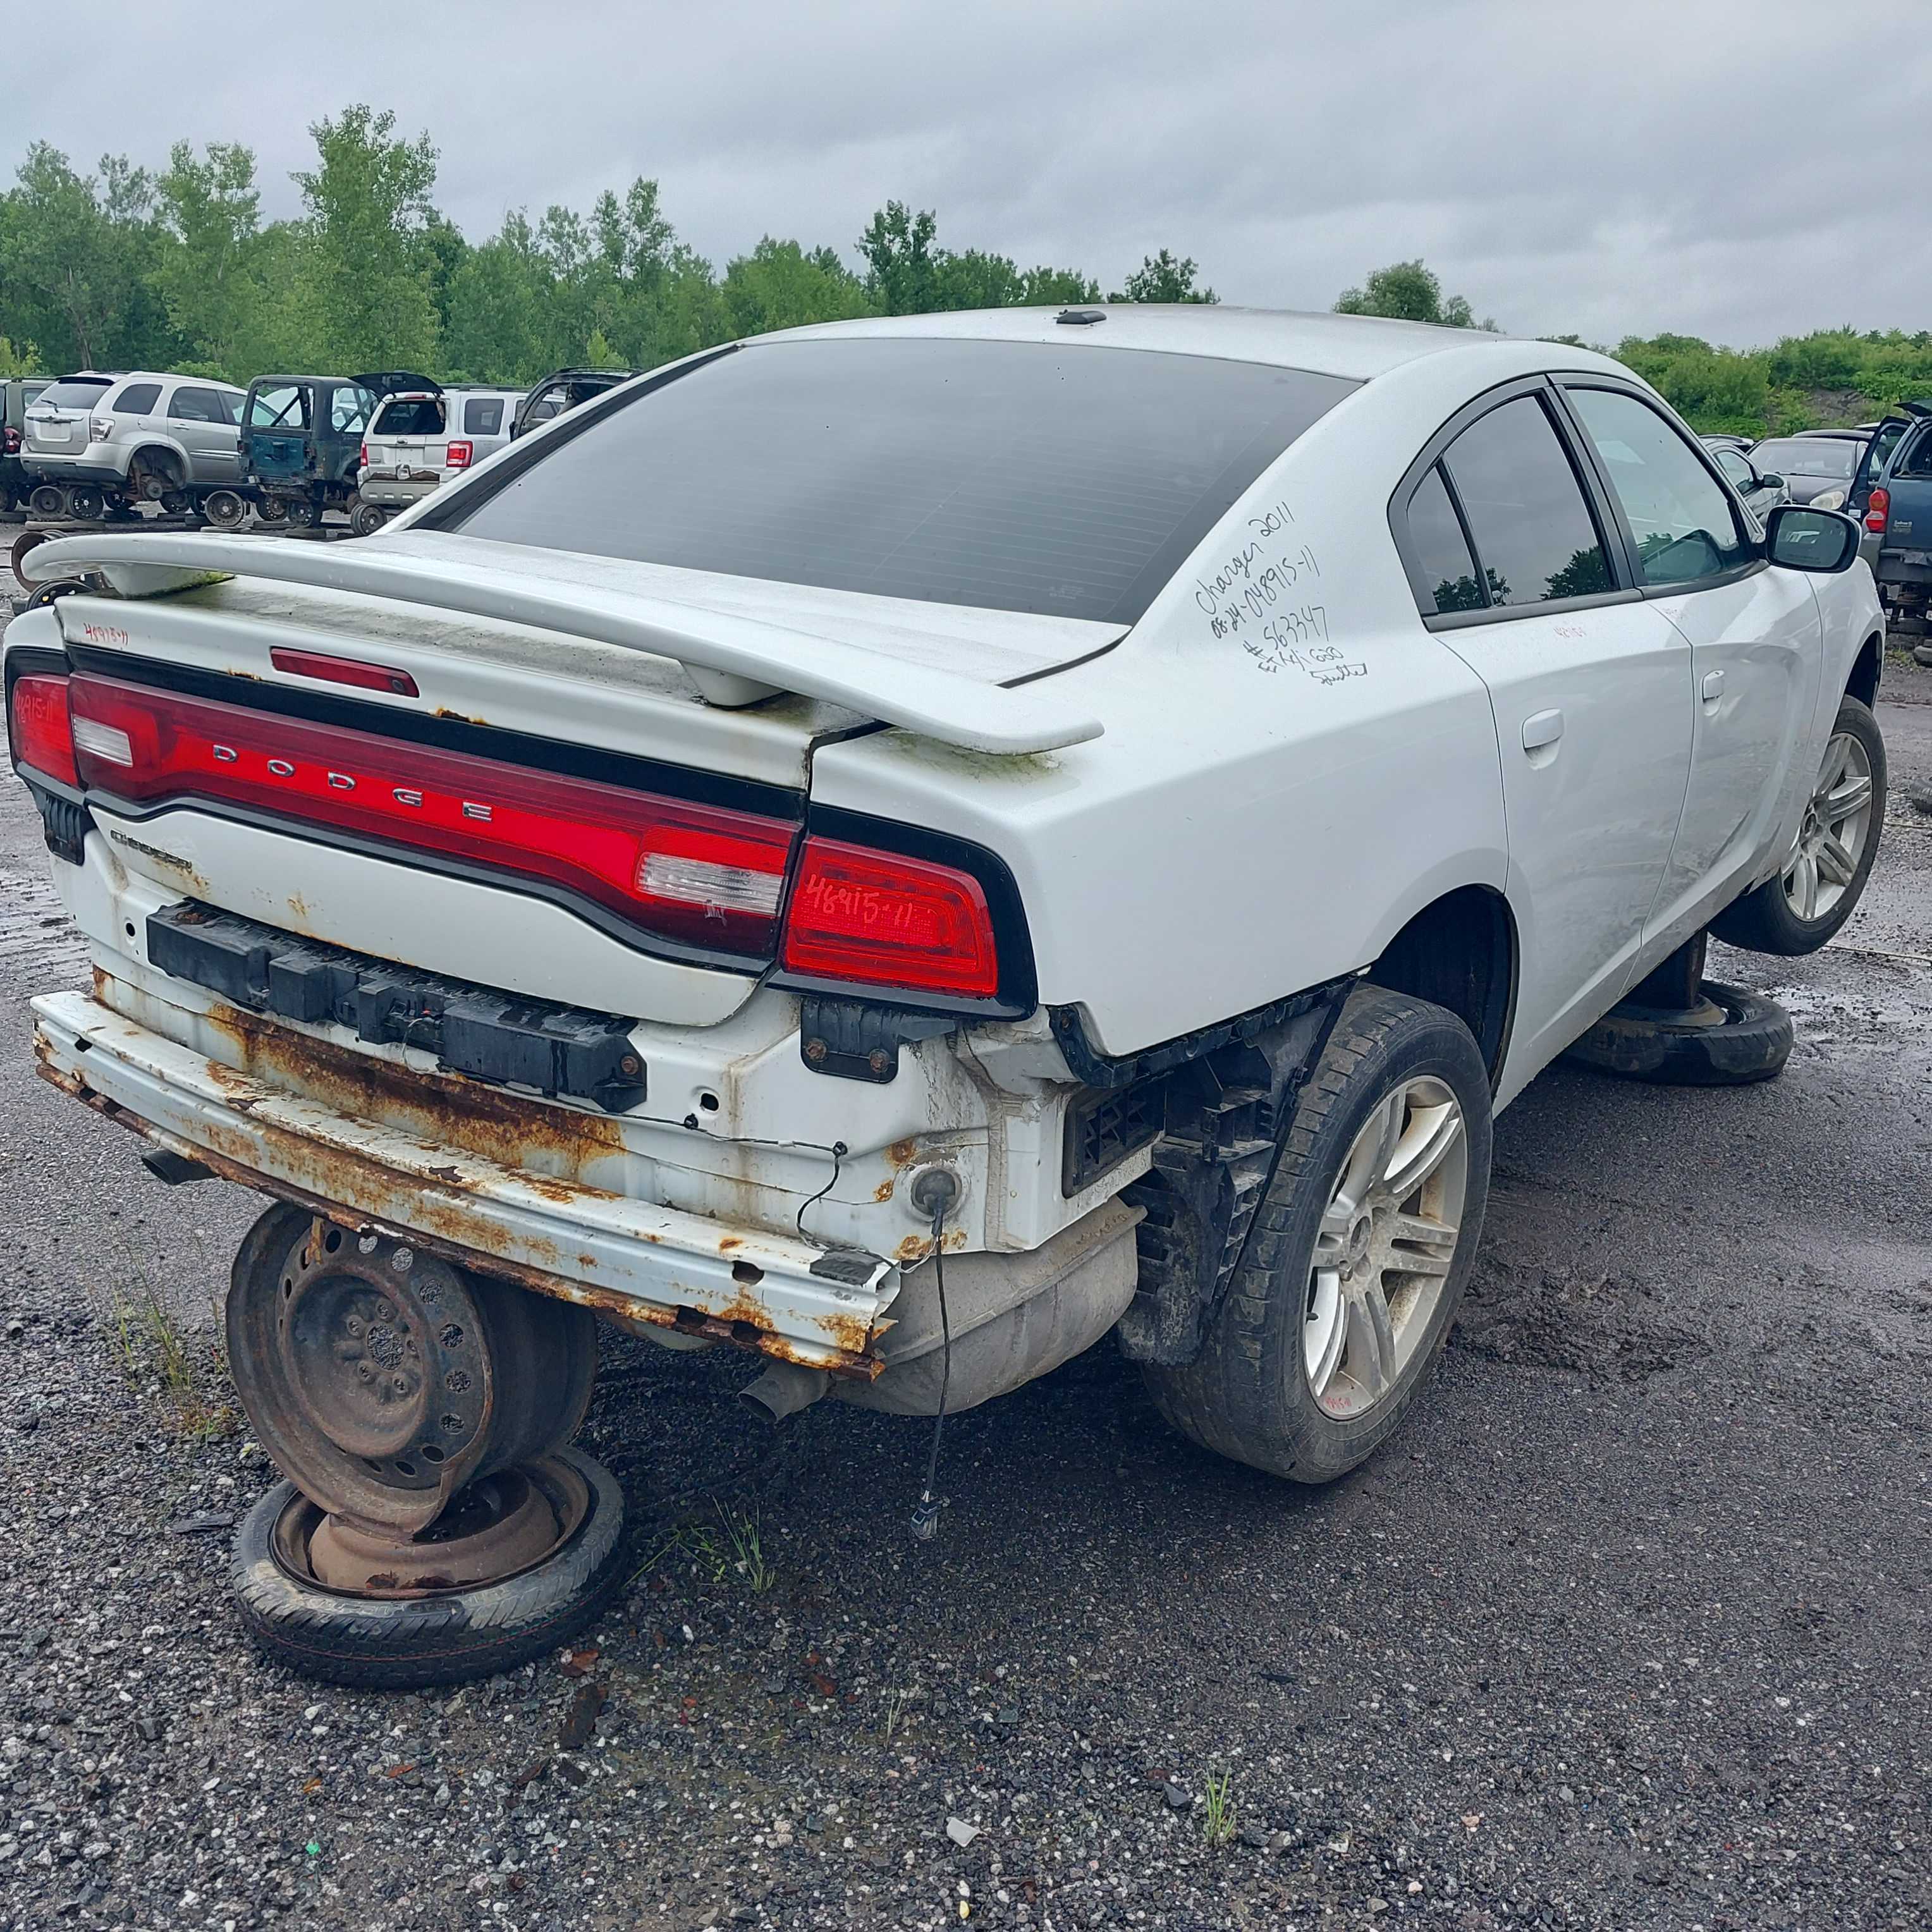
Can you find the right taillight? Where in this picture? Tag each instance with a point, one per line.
(460, 455)
(40, 728)
(362, 456)
(1878, 510)
(883, 919)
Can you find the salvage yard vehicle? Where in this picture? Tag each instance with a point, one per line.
(562, 389)
(420, 438)
(16, 393)
(302, 440)
(99, 442)
(905, 847)
(1891, 494)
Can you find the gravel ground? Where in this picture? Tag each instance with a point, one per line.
(1628, 1628)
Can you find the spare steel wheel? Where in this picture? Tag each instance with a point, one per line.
(383, 1380)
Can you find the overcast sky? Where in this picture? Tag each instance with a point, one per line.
(1740, 171)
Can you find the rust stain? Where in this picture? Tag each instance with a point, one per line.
(299, 906)
(901, 1154)
(322, 1179)
(442, 1110)
(883, 1192)
(460, 717)
(915, 1248)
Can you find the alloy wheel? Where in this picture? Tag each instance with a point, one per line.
(1387, 1242)
(1837, 827)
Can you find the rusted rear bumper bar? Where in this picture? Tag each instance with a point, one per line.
(630, 1259)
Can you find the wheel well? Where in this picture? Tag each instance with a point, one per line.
(1460, 953)
(159, 457)
(1863, 683)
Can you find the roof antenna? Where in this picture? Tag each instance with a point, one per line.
(936, 1193)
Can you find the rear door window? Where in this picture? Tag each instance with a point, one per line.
(1535, 538)
(1069, 481)
(1443, 569)
(137, 399)
(483, 415)
(350, 409)
(200, 406)
(1917, 460)
(1686, 528)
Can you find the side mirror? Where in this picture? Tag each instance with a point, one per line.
(1801, 537)
(1768, 481)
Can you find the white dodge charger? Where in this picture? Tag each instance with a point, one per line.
(1121, 795)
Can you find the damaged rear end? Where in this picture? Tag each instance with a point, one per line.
(499, 939)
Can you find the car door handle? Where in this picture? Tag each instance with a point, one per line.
(1713, 686)
(1544, 728)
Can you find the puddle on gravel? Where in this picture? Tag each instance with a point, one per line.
(1610, 1328)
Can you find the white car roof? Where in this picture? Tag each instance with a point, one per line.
(162, 376)
(1358, 346)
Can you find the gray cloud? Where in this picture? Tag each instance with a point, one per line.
(1732, 171)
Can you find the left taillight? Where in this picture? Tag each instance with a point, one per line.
(40, 726)
(460, 455)
(886, 920)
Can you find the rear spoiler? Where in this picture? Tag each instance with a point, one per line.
(734, 659)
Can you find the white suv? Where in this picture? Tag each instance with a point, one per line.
(93, 440)
(421, 436)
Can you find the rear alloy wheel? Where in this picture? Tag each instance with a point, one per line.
(1825, 870)
(521, 1562)
(1359, 1252)
(86, 503)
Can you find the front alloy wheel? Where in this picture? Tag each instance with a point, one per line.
(1385, 1246)
(1837, 824)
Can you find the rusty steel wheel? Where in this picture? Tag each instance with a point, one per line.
(523, 1561)
(383, 1380)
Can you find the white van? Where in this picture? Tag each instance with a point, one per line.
(421, 436)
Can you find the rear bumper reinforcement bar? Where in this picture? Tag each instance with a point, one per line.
(630, 1259)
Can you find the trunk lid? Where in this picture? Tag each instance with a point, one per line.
(584, 695)
(56, 422)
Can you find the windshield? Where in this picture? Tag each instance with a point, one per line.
(75, 392)
(409, 415)
(1012, 475)
(1801, 456)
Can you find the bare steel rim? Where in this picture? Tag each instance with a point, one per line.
(1837, 828)
(501, 1527)
(1386, 1244)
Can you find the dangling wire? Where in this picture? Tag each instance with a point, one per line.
(944, 1189)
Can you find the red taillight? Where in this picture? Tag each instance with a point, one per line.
(343, 670)
(460, 455)
(885, 920)
(40, 728)
(10, 441)
(704, 875)
(362, 456)
(1878, 510)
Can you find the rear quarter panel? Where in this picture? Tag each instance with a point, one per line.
(1291, 765)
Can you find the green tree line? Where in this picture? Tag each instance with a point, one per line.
(127, 268)
(131, 267)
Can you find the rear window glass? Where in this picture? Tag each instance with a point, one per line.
(74, 392)
(409, 415)
(483, 415)
(1835, 458)
(1014, 476)
(283, 407)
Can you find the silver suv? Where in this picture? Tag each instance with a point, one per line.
(93, 439)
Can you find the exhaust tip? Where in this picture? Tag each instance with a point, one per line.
(783, 1389)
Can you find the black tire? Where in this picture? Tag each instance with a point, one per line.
(47, 500)
(86, 502)
(1763, 921)
(366, 519)
(272, 510)
(408, 1643)
(226, 509)
(304, 513)
(1247, 1395)
(1636, 1043)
